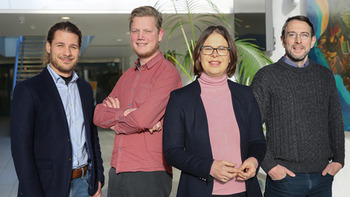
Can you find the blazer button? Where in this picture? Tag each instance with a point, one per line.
(69, 159)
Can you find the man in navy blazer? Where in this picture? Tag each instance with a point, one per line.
(55, 146)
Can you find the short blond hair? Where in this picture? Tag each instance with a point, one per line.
(146, 11)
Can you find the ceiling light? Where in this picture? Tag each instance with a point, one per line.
(65, 17)
(119, 40)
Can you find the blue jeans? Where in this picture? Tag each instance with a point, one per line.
(302, 185)
(79, 186)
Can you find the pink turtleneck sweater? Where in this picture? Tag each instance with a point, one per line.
(223, 129)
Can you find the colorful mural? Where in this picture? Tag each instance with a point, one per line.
(331, 20)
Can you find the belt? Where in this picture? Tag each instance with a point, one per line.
(78, 173)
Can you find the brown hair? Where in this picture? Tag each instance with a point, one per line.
(231, 68)
(146, 11)
(63, 26)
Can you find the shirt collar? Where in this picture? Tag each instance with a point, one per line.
(291, 63)
(150, 63)
(56, 77)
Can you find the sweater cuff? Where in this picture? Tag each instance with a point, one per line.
(268, 165)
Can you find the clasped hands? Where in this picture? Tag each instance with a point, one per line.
(113, 102)
(224, 171)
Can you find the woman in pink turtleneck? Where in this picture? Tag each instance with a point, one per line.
(212, 127)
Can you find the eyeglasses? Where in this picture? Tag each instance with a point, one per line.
(208, 50)
(293, 35)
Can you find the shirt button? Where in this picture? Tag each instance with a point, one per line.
(139, 74)
(133, 89)
(129, 104)
(120, 149)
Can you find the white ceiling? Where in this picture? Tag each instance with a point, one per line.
(110, 30)
(106, 28)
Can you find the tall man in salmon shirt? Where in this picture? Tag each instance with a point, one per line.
(134, 111)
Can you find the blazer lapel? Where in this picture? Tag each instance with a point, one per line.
(85, 104)
(50, 88)
(240, 117)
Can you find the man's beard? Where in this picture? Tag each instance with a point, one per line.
(295, 59)
(60, 68)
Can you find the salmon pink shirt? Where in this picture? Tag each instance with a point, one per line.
(146, 88)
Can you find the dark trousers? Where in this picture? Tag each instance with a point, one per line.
(302, 185)
(139, 184)
(242, 194)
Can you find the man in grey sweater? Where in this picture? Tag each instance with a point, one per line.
(299, 105)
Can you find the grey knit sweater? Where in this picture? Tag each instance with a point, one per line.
(301, 110)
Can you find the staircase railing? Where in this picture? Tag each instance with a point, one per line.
(19, 41)
(29, 53)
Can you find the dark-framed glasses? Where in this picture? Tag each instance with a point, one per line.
(293, 35)
(208, 50)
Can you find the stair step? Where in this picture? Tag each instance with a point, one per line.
(25, 75)
(34, 39)
(39, 55)
(31, 58)
(34, 69)
(32, 65)
(26, 62)
(33, 48)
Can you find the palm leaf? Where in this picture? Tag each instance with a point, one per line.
(251, 58)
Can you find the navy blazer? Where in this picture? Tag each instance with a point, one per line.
(40, 139)
(186, 140)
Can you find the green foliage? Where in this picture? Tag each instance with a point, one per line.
(251, 58)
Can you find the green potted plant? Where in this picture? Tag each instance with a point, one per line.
(251, 57)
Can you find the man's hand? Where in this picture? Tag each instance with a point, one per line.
(156, 127)
(224, 170)
(247, 169)
(98, 192)
(279, 172)
(111, 102)
(332, 169)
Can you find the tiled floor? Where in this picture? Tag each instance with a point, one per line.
(8, 179)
